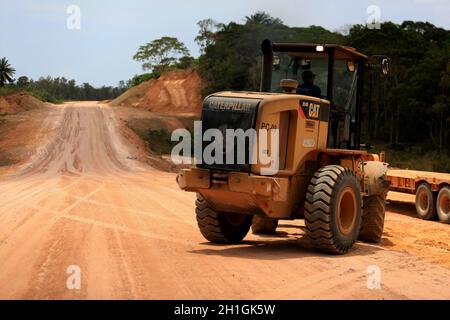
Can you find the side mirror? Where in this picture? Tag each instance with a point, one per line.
(382, 62)
(386, 66)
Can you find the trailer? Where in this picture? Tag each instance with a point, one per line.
(432, 190)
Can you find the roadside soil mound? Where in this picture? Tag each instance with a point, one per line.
(177, 91)
(133, 96)
(19, 102)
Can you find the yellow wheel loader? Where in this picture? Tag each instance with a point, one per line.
(314, 168)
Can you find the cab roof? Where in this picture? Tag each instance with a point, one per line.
(310, 50)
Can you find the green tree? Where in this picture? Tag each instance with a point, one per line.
(88, 92)
(411, 108)
(22, 82)
(161, 54)
(122, 85)
(233, 60)
(262, 18)
(139, 78)
(186, 62)
(207, 33)
(6, 72)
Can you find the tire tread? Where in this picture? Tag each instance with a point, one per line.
(318, 204)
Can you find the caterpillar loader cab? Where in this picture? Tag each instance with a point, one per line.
(291, 151)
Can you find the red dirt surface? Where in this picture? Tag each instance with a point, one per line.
(404, 231)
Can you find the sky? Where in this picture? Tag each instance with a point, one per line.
(36, 39)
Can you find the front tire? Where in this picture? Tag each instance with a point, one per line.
(425, 202)
(333, 209)
(220, 227)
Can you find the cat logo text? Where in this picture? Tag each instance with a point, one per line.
(310, 109)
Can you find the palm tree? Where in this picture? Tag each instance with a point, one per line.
(262, 18)
(6, 72)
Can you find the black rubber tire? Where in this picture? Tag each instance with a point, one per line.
(217, 227)
(373, 212)
(262, 225)
(425, 211)
(321, 209)
(443, 210)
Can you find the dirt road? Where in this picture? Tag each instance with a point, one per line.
(83, 201)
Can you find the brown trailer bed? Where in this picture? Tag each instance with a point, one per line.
(432, 191)
(408, 180)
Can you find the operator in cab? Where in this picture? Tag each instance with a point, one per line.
(308, 88)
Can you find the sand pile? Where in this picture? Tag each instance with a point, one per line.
(133, 96)
(177, 91)
(19, 102)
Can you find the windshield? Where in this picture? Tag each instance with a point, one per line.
(287, 66)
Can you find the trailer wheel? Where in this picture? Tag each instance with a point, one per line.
(221, 227)
(333, 209)
(374, 208)
(425, 202)
(443, 204)
(262, 225)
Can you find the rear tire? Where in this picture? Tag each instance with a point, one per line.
(443, 204)
(333, 209)
(262, 225)
(220, 227)
(425, 202)
(374, 208)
